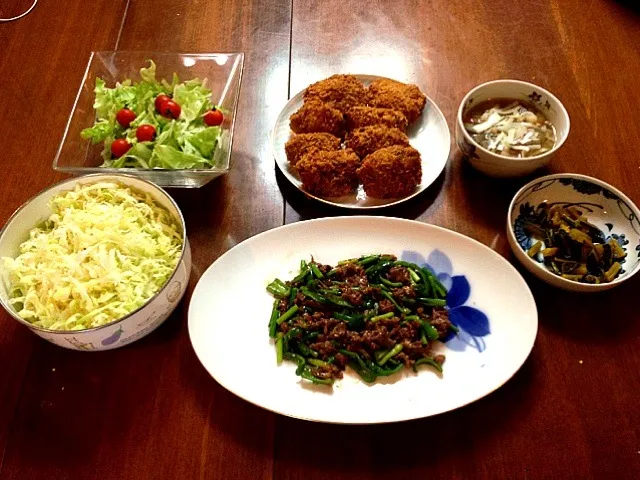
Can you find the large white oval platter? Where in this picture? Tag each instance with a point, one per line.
(429, 134)
(230, 310)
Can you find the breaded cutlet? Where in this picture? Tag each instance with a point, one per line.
(315, 117)
(303, 143)
(339, 91)
(364, 141)
(387, 93)
(329, 174)
(391, 172)
(359, 117)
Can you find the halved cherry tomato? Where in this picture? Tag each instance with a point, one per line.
(119, 147)
(145, 132)
(213, 118)
(160, 99)
(125, 117)
(170, 109)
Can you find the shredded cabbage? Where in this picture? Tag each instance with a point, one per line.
(104, 251)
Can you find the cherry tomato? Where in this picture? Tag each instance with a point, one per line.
(213, 118)
(160, 99)
(170, 109)
(119, 147)
(145, 132)
(125, 117)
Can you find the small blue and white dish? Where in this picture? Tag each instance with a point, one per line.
(606, 207)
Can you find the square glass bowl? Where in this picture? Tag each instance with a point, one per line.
(223, 72)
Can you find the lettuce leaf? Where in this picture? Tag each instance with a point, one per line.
(186, 142)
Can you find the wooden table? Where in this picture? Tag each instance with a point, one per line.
(151, 411)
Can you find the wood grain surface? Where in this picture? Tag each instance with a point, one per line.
(150, 410)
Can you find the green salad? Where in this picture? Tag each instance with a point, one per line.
(155, 124)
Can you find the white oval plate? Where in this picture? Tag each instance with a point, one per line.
(429, 135)
(230, 311)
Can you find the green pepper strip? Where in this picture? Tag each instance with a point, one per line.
(272, 321)
(287, 315)
(430, 331)
(313, 296)
(427, 361)
(433, 302)
(316, 362)
(381, 317)
(304, 270)
(412, 317)
(316, 271)
(439, 288)
(354, 321)
(338, 301)
(414, 276)
(279, 348)
(423, 338)
(297, 359)
(362, 261)
(278, 288)
(454, 328)
(388, 296)
(309, 336)
(294, 332)
(392, 353)
(389, 283)
(292, 295)
(306, 351)
(366, 374)
(307, 375)
(359, 366)
(383, 372)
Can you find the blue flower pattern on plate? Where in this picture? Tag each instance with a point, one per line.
(473, 323)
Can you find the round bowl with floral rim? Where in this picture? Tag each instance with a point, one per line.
(604, 206)
(493, 164)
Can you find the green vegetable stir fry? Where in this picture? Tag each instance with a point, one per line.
(104, 251)
(155, 124)
(375, 314)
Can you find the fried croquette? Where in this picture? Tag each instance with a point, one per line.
(391, 172)
(338, 91)
(359, 117)
(329, 174)
(364, 141)
(388, 93)
(299, 145)
(315, 116)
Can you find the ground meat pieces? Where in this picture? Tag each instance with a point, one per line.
(323, 348)
(386, 306)
(359, 117)
(342, 92)
(396, 95)
(367, 140)
(315, 117)
(329, 174)
(391, 172)
(354, 297)
(399, 274)
(299, 145)
(440, 321)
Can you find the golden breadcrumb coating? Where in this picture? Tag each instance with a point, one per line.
(388, 93)
(338, 91)
(329, 174)
(391, 172)
(303, 143)
(359, 117)
(364, 141)
(315, 117)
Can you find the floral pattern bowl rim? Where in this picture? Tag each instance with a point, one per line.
(583, 187)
